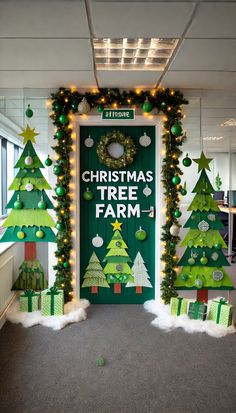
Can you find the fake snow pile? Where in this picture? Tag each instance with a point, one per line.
(74, 312)
(168, 322)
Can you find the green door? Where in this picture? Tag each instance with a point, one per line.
(117, 264)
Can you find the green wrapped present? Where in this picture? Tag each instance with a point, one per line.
(178, 306)
(197, 310)
(29, 301)
(52, 302)
(221, 312)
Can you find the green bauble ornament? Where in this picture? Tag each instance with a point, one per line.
(59, 226)
(42, 204)
(20, 234)
(29, 113)
(218, 246)
(204, 260)
(74, 105)
(147, 106)
(56, 106)
(48, 161)
(59, 134)
(184, 277)
(187, 161)
(100, 108)
(140, 235)
(60, 191)
(172, 244)
(183, 191)
(18, 204)
(176, 129)
(66, 264)
(191, 261)
(88, 195)
(176, 180)
(57, 170)
(100, 361)
(163, 105)
(40, 234)
(177, 213)
(63, 119)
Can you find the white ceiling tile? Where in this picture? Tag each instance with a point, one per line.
(128, 79)
(38, 79)
(41, 54)
(206, 54)
(43, 19)
(200, 80)
(140, 19)
(214, 20)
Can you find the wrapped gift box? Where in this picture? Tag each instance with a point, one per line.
(52, 302)
(197, 310)
(29, 301)
(178, 306)
(221, 312)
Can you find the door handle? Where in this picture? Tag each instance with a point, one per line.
(151, 212)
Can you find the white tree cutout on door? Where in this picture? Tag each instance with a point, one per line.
(140, 274)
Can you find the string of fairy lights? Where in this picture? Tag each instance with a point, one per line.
(65, 103)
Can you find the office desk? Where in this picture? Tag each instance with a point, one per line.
(231, 212)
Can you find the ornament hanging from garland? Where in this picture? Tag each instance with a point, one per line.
(177, 213)
(57, 170)
(89, 142)
(174, 230)
(176, 129)
(63, 119)
(29, 113)
(60, 191)
(48, 161)
(176, 180)
(100, 108)
(187, 161)
(147, 106)
(147, 191)
(59, 226)
(83, 107)
(97, 241)
(141, 234)
(59, 134)
(145, 140)
(183, 190)
(88, 195)
(125, 141)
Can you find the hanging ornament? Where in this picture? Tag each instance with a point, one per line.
(218, 246)
(147, 191)
(203, 226)
(198, 283)
(176, 180)
(163, 105)
(28, 160)
(119, 267)
(20, 234)
(32, 170)
(217, 275)
(40, 233)
(89, 142)
(145, 140)
(176, 129)
(88, 195)
(59, 226)
(83, 107)
(147, 106)
(100, 108)
(184, 277)
(60, 191)
(172, 244)
(59, 134)
(63, 119)
(141, 234)
(204, 259)
(177, 213)
(57, 170)
(214, 256)
(66, 264)
(190, 243)
(183, 191)
(56, 106)
(211, 217)
(174, 230)
(187, 161)
(74, 105)
(18, 204)
(42, 204)
(48, 161)
(97, 241)
(29, 113)
(118, 244)
(29, 187)
(191, 261)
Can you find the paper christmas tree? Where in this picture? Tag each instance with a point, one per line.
(94, 276)
(117, 269)
(203, 261)
(140, 273)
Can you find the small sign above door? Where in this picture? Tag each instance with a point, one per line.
(118, 114)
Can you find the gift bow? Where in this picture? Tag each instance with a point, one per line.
(221, 301)
(29, 293)
(52, 292)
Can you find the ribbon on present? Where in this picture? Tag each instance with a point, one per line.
(180, 299)
(197, 305)
(221, 301)
(29, 294)
(52, 292)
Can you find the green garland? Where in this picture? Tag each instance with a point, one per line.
(129, 150)
(169, 102)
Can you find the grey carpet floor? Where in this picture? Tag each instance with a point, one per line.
(147, 370)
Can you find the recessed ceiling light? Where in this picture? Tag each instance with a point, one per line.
(230, 122)
(133, 54)
(212, 138)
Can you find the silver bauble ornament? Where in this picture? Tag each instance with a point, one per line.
(89, 142)
(217, 275)
(145, 140)
(97, 241)
(203, 226)
(28, 160)
(29, 187)
(174, 230)
(147, 191)
(83, 107)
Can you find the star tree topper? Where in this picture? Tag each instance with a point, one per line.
(28, 134)
(203, 162)
(116, 225)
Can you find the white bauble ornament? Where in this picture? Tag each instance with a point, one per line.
(211, 217)
(203, 226)
(147, 191)
(145, 140)
(83, 107)
(214, 256)
(97, 241)
(29, 187)
(28, 160)
(115, 150)
(89, 142)
(217, 275)
(174, 230)
(198, 283)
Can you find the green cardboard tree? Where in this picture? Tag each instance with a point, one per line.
(94, 276)
(29, 221)
(117, 269)
(140, 273)
(203, 261)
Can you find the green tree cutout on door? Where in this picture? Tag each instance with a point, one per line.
(140, 273)
(94, 276)
(117, 269)
(203, 259)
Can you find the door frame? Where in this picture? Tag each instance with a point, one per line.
(95, 120)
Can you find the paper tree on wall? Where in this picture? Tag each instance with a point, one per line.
(203, 260)
(94, 276)
(28, 220)
(140, 273)
(117, 269)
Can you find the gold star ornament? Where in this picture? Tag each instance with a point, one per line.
(203, 162)
(28, 134)
(116, 225)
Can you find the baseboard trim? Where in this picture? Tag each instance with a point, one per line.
(3, 312)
